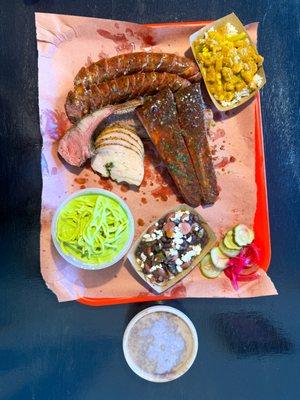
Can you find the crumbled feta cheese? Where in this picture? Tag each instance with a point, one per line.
(178, 215)
(178, 262)
(155, 267)
(177, 242)
(138, 260)
(149, 238)
(209, 30)
(156, 223)
(258, 80)
(159, 234)
(231, 29)
(187, 256)
(197, 249)
(173, 252)
(143, 257)
(151, 254)
(237, 98)
(196, 228)
(179, 269)
(186, 217)
(178, 233)
(189, 239)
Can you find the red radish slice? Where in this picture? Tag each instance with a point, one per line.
(185, 228)
(168, 226)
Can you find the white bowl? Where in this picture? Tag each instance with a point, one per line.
(74, 261)
(140, 372)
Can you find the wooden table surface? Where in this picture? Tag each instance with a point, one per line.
(248, 349)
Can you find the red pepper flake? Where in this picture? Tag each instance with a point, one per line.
(105, 184)
(124, 187)
(80, 181)
(144, 200)
(82, 187)
(232, 159)
(140, 222)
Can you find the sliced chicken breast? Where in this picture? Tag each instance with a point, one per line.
(119, 163)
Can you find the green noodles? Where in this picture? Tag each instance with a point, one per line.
(92, 228)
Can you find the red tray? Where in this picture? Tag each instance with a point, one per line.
(261, 219)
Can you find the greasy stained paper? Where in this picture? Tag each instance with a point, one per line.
(65, 44)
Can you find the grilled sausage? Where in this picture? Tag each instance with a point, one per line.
(126, 64)
(159, 117)
(81, 102)
(191, 114)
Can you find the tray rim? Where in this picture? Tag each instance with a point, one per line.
(261, 218)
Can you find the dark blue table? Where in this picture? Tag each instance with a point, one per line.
(249, 349)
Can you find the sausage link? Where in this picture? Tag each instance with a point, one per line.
(81, 101)
(131, 63)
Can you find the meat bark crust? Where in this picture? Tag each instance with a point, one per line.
(159, 117)
(191, 113)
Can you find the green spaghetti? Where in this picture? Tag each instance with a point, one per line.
(92, 228)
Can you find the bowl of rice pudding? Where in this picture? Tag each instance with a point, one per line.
(160, 344)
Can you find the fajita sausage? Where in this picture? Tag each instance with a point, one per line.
(131, 63)
(191, 114)
(159, 117)
(81, 102)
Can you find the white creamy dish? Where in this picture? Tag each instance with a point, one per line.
(160, 346)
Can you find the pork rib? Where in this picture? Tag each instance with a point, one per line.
(159, 117)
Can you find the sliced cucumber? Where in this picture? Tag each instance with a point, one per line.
(218, 258)
(208, 269)
(228, 252)
(243, 235)
(229, 241)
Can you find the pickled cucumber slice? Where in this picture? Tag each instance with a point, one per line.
(229, 241)
(208, 269)
(228, 252)
(243, 235)
(218, 258)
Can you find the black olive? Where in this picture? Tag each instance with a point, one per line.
(139, 251)
(184, 245)
(147, 269)
(159, 257)
(193, 239)
(172, 268)
(157, 247)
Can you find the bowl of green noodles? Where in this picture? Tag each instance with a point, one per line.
(92, 229)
